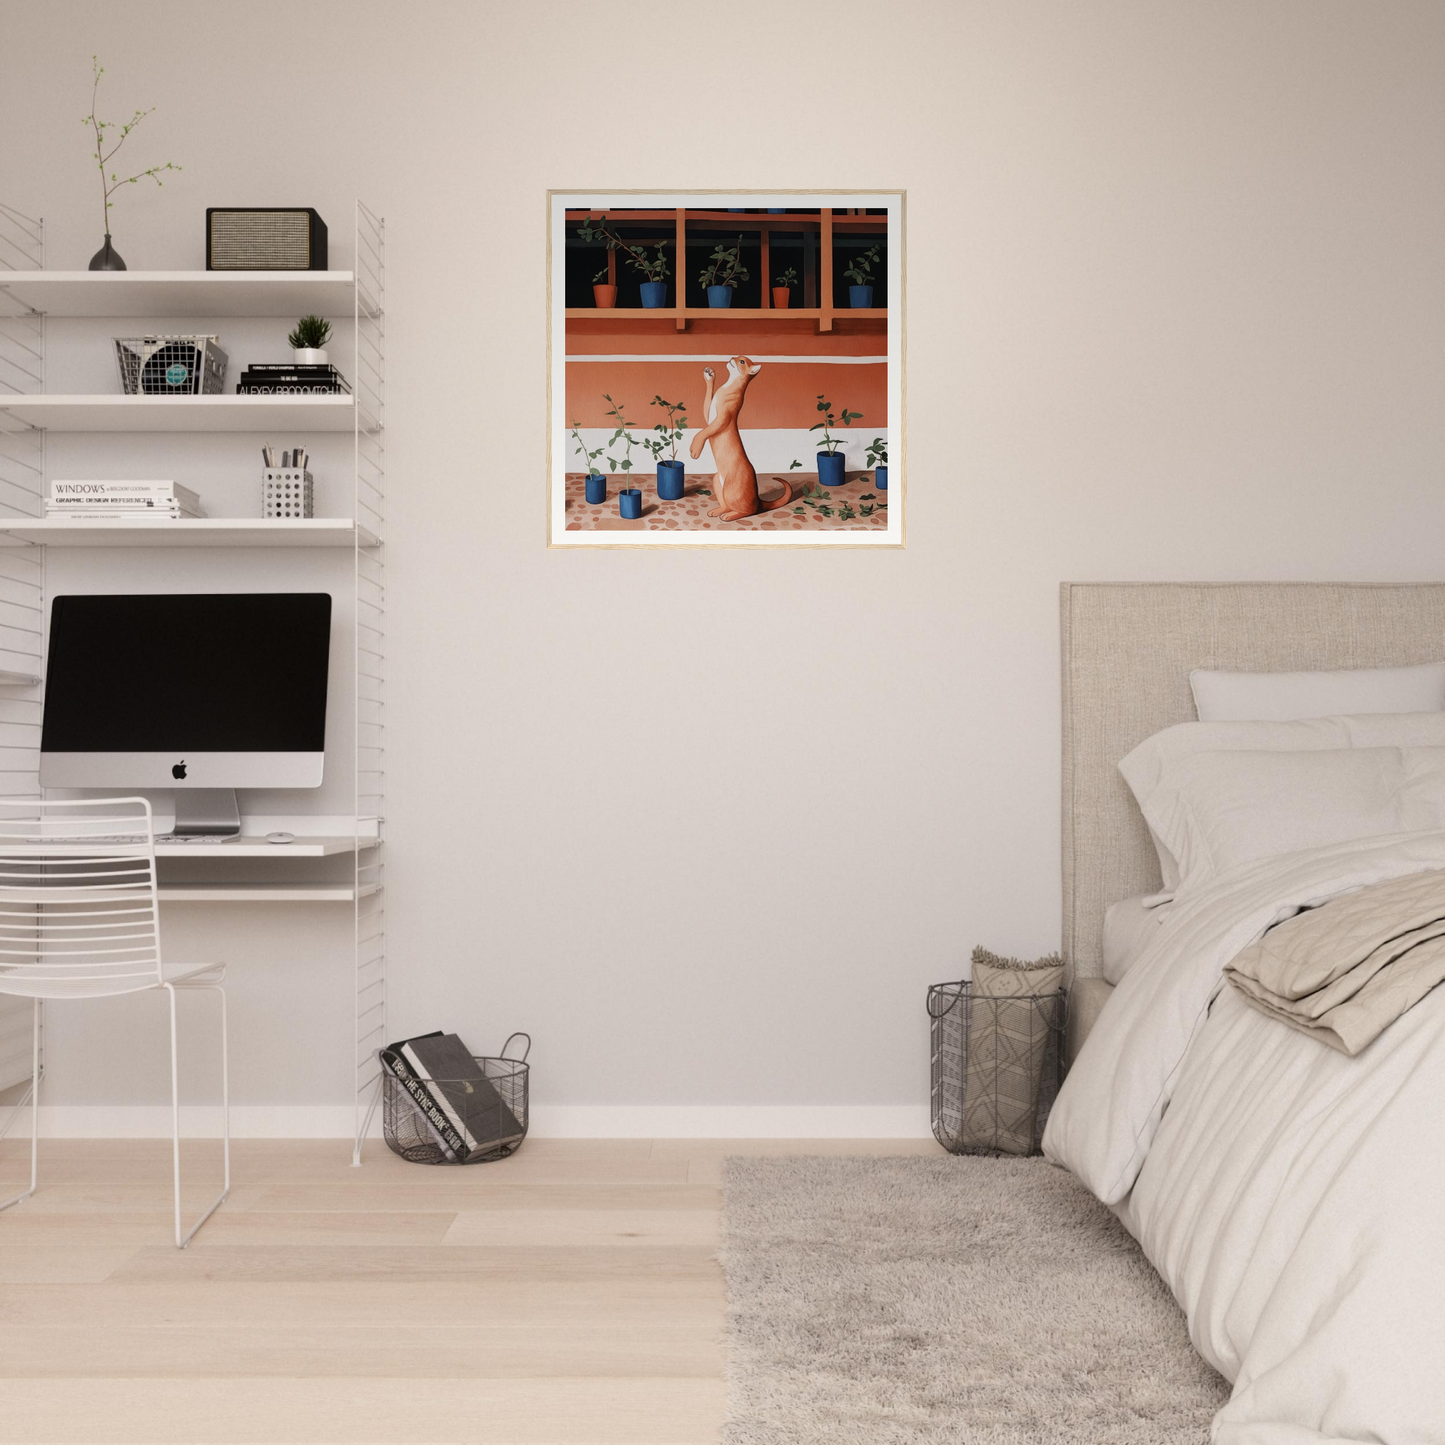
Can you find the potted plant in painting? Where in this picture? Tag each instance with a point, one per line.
(604, 295)
(860, 273)
(723, 271)
(654, 288)
(877, 458)
(596, 483)
(783, 288)
(830, 459)
(670, 472)
(629, 499)
(308, 341)
(106, 259)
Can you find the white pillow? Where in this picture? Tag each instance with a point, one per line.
(1216, 811)
(1283, 696)
(1145, 768)
(1130, 926)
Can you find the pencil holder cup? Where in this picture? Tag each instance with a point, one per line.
(286, 492)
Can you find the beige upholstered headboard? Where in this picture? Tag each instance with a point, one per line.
(1128, 648)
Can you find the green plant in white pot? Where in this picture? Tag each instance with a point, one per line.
(308, 341)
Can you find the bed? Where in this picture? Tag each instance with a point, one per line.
(1293, 1198)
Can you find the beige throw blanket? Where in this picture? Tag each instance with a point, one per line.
(1008, 1036)
(1346, 971)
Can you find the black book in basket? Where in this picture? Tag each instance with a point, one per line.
(425, 1106)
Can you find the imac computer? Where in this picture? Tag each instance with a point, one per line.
(199, 693)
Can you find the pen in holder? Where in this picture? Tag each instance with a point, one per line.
(286, 492)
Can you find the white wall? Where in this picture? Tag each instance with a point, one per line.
(707, 824)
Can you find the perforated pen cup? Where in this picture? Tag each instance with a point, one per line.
(997, 1064)
(407, 1132)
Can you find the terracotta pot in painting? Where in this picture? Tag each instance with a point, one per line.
(605, 297)
(780, 297)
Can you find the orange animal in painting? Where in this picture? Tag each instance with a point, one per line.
(737, 482)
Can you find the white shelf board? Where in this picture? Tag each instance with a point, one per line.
(286, 294)
(254, 847)
(182, 413)
(259, 892)
(186, 532)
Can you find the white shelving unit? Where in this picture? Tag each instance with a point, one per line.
(29, 294)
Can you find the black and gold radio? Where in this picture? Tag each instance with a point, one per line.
(265, 238)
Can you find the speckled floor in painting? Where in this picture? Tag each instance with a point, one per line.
(841, 509)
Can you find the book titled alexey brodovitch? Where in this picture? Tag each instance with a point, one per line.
(461, 1106)
(288, 379)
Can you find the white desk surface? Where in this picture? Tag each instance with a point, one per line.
(248, 846)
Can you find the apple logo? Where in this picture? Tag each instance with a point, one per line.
(179, 771)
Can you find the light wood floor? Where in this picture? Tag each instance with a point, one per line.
(566, 1296)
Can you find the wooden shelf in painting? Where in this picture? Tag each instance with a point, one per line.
(752, 315)
(677, 222)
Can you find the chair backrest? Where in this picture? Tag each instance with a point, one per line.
(78, 904)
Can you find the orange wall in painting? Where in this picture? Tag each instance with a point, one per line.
(782, 394)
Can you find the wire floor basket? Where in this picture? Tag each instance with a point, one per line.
(408, 1133)
(997, 1064)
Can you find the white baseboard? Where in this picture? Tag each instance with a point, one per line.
(549, 1121)
(731, 1121)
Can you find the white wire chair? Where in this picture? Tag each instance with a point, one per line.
(79, 919)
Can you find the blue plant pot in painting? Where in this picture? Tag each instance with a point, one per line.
(880, 478)
(860, 296)
(777, 210)
(830, 469)
(736, 210)
(719, 295)
(629, 502)
(670, 477)
(596, 488)
(654, 293)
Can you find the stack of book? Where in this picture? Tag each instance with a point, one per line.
(288, 379)
(459, 1105)
(90, 500)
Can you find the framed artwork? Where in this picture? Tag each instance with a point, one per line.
(725, 368)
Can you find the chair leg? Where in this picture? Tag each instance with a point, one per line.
(34, 1093)
(183, 1240)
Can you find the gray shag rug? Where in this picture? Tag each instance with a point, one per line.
(973, 1301)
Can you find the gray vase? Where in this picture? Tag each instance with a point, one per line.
(107, 258)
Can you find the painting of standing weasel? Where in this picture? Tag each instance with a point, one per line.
(737, 482)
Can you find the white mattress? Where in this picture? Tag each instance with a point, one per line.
(1129, 928)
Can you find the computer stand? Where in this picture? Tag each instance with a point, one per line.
(207, 813)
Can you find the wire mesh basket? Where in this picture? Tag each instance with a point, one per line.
(170, 365)
(997, 1064)
(409, 1133)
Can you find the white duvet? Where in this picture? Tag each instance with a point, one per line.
(1293, 1198)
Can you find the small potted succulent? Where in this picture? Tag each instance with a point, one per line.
(670, 472)
(654, 288)
(596, 483)
(723, 271)
(877, 458)
(308, 341)
(604, 296)
(783, 288)
(629, 499)
(860, 273)
(831, 461)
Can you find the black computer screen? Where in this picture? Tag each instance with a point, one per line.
(234, 672)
